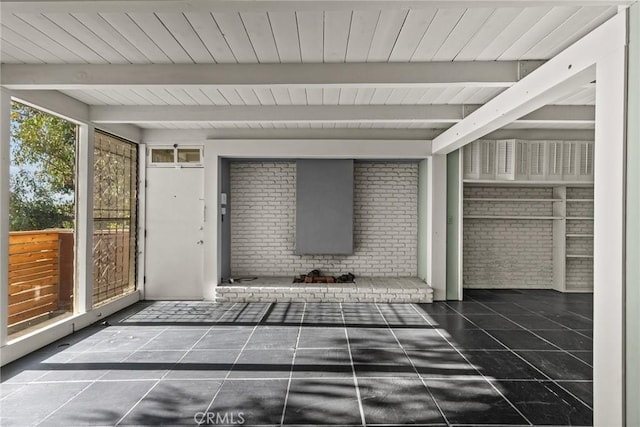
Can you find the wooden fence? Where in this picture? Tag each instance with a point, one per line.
(41, 272)
(39, 262)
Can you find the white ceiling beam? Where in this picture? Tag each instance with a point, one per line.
(433, 74)
(180, 6)
(289, 113)
(196, 136)
(555, 114)
(566, 72)
(325, 148)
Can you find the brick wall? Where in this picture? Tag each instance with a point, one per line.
(579, 273)
(508, 253)
(263, 217)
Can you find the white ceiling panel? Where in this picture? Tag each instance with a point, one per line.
(492, 46)
(237, 38)
(353, 33)
(537, 31)
(390, 23)
(129, 30)
(359, 35)
(411, 33)
(437, 33)
(468, 25)
(363, 26)
(209, 33)
(336, 35)
(311, 35)
(32, 36)
(261, 36)
(285, 33)
(489, 30)
(184, 33)
(585, 96)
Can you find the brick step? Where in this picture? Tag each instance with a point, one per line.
(322, 294)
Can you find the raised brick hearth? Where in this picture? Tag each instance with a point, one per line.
(365, 289)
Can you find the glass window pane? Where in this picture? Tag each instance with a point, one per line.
(42, 219)
(188, 155)
(162, 155)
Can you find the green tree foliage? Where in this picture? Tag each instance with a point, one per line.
(43, 147)
(47, 141)
(33, 205)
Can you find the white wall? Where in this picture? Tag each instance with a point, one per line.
(263, 221)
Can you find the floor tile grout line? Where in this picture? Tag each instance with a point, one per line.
(66, 402)
(523, 328)
(452, 378)
(353, 368)
(530, 331)
(293, 361)
(226, 377)
(87, 349)
(422, 380)
(524, 308)
(531, 364)
(477, 370)
(167, 371)
(93, 382)
(580, 315)
(22, 385)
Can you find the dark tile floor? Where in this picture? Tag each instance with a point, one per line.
(499, 358)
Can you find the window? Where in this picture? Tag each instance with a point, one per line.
(114, 217)
(162, 155)
(175, 156)
(188, 155)
(42, 218)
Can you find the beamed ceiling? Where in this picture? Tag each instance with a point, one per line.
(301, 65)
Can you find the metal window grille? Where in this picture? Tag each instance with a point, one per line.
(114, 217)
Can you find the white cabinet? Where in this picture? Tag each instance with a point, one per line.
(585, 162)
(506, 164)
(528, 161)
(512, 160)
(479, 160)
(536, 160)
(553, 158)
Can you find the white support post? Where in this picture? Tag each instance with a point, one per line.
(212, 232)
(5, 163)
(84, 220)
(437, 226)
(423, 219)
(142, 212)
(609, 240)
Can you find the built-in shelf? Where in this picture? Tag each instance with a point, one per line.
(570, 270)
(509, 217)
(487, 199)
(527, 183)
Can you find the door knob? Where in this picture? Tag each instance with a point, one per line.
(200, 242)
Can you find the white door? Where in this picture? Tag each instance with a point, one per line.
(174, 242)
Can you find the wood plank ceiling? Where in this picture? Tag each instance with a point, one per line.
(399, 34)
